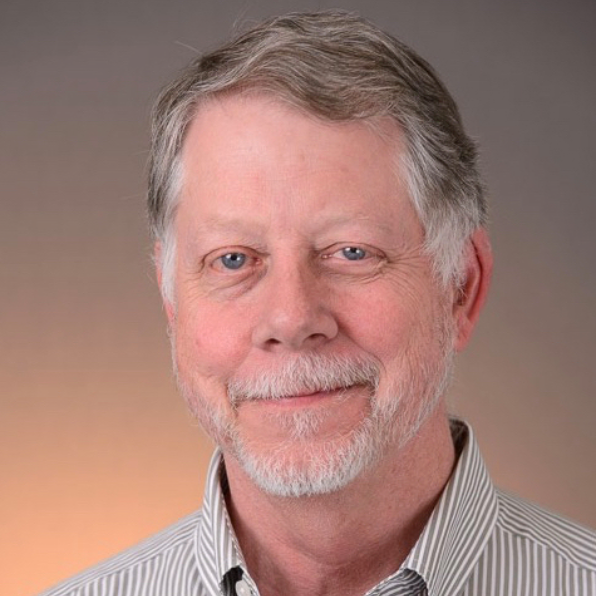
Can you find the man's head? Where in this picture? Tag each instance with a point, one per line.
(339, 68)
(317, 210)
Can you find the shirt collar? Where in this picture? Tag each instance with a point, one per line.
(217, 548)
(461, 523)
(444, 555)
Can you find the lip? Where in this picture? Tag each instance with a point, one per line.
(306, 399)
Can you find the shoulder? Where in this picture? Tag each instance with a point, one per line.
(170, 554)
(541, 531)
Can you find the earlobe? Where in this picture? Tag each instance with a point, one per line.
(471, 295)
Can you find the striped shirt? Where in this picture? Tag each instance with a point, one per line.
(478, 541)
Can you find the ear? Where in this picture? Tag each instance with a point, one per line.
(168, 307)
(471, 294)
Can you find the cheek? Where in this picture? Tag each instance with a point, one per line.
(379, 324)
(212, 343)
(398, 329)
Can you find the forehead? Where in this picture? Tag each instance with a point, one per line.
(244, 153)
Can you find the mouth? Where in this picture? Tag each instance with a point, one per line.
(308, 380)
(307, 397)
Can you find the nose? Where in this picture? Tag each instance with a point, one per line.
(295, 311)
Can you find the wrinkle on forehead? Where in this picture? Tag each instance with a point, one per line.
(255, 156)
(235, 111)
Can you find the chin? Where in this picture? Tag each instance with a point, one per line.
(309, 451)
(308, 465)
(303, 467)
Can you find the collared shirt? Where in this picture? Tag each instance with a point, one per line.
(478, 541)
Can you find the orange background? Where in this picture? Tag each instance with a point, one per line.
(97, 450)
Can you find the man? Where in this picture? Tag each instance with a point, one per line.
(321, 252)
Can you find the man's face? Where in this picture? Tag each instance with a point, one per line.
(309, 332)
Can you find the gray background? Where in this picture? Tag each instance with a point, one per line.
(97, 450)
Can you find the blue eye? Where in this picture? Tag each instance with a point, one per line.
(233, 260)
(353, 253)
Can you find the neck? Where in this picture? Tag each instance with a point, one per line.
(345, 542)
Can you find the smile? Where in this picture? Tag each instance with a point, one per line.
(308, 397)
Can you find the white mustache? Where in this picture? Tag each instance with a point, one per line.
(303, 375)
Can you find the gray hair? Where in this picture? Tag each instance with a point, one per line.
(340, 68)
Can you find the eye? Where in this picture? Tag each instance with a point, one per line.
(353, 253)
(353, 259)
(233, 260)
(234, 266)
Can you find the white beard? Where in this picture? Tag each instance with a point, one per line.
(301, 465)
(392, 420)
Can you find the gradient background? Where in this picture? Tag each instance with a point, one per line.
(97, 449)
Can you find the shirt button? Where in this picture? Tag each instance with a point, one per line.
(242, 588)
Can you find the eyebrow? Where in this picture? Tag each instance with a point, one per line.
(210, 228)
(341, 220)
(247, 230)
(236, 224)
